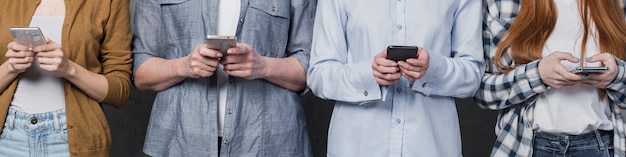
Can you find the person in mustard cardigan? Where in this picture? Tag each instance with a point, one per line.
(51, 95)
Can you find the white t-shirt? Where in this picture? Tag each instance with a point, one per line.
(226, 25)
(571, 110)
(39, 91)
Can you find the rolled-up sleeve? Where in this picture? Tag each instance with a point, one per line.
(145, 31)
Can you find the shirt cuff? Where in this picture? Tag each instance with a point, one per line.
(531, 73)
(620, 77)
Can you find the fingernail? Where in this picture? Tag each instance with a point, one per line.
(588, 59)
(577, 59)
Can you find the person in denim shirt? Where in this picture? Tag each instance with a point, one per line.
(263, 76)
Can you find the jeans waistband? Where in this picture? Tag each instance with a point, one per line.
(35, 122)
(596, 140)
(584, 136)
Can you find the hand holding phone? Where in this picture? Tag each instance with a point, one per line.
(221, 42)
(29, 36)
(401, 53)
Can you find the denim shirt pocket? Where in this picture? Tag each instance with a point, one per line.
(171, 1)
(274, 7)
(266, 27)
(180, 21)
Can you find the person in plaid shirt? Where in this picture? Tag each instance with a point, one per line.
(544, 107)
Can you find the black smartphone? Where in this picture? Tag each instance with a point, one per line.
(221, 42)
(29, 36)
(590, 69)
(401, 53)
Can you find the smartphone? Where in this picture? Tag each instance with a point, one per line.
(221, 42)
(401, 53)
(30, 36)
(590, 69)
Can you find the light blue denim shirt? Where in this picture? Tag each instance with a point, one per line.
(262, 119)
(413, 119)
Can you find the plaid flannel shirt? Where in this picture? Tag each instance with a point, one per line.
(514, 93)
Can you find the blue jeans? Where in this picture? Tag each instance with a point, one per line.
(593, 144)
(35, 135)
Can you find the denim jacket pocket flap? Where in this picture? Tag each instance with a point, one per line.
(171, 1)
(273, 7)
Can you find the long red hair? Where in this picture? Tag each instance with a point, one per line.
(536, 20)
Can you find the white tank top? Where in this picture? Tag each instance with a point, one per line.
(228, 16)
(571, 110)
(39, 91)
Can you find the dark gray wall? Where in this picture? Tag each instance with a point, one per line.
(128, 125)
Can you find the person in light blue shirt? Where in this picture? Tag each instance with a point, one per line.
(387, 108)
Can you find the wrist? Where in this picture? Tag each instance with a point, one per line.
(71, 71)
(11, 71)
(180, 67)
(268, 65)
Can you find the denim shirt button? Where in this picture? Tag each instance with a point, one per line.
(365, 93)
(230, 111)
(226, 142)
(424, 85)
(241, 20)
(274, 9)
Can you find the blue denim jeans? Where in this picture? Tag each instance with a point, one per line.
(35, 135)
(593, 144)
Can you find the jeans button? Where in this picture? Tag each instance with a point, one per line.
(33, 120)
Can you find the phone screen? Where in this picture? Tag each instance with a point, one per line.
(401, 53)
(30, 36)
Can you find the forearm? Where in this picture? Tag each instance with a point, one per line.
(157, 74)
(501, 90)
(286, 73)
(7, 76)
(94, 85)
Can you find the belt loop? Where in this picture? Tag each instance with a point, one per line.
(55, 119)
(11, 119)
(600, 141)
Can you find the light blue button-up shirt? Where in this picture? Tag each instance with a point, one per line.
(416, 119)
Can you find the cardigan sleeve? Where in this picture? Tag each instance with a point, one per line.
(115, 53)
